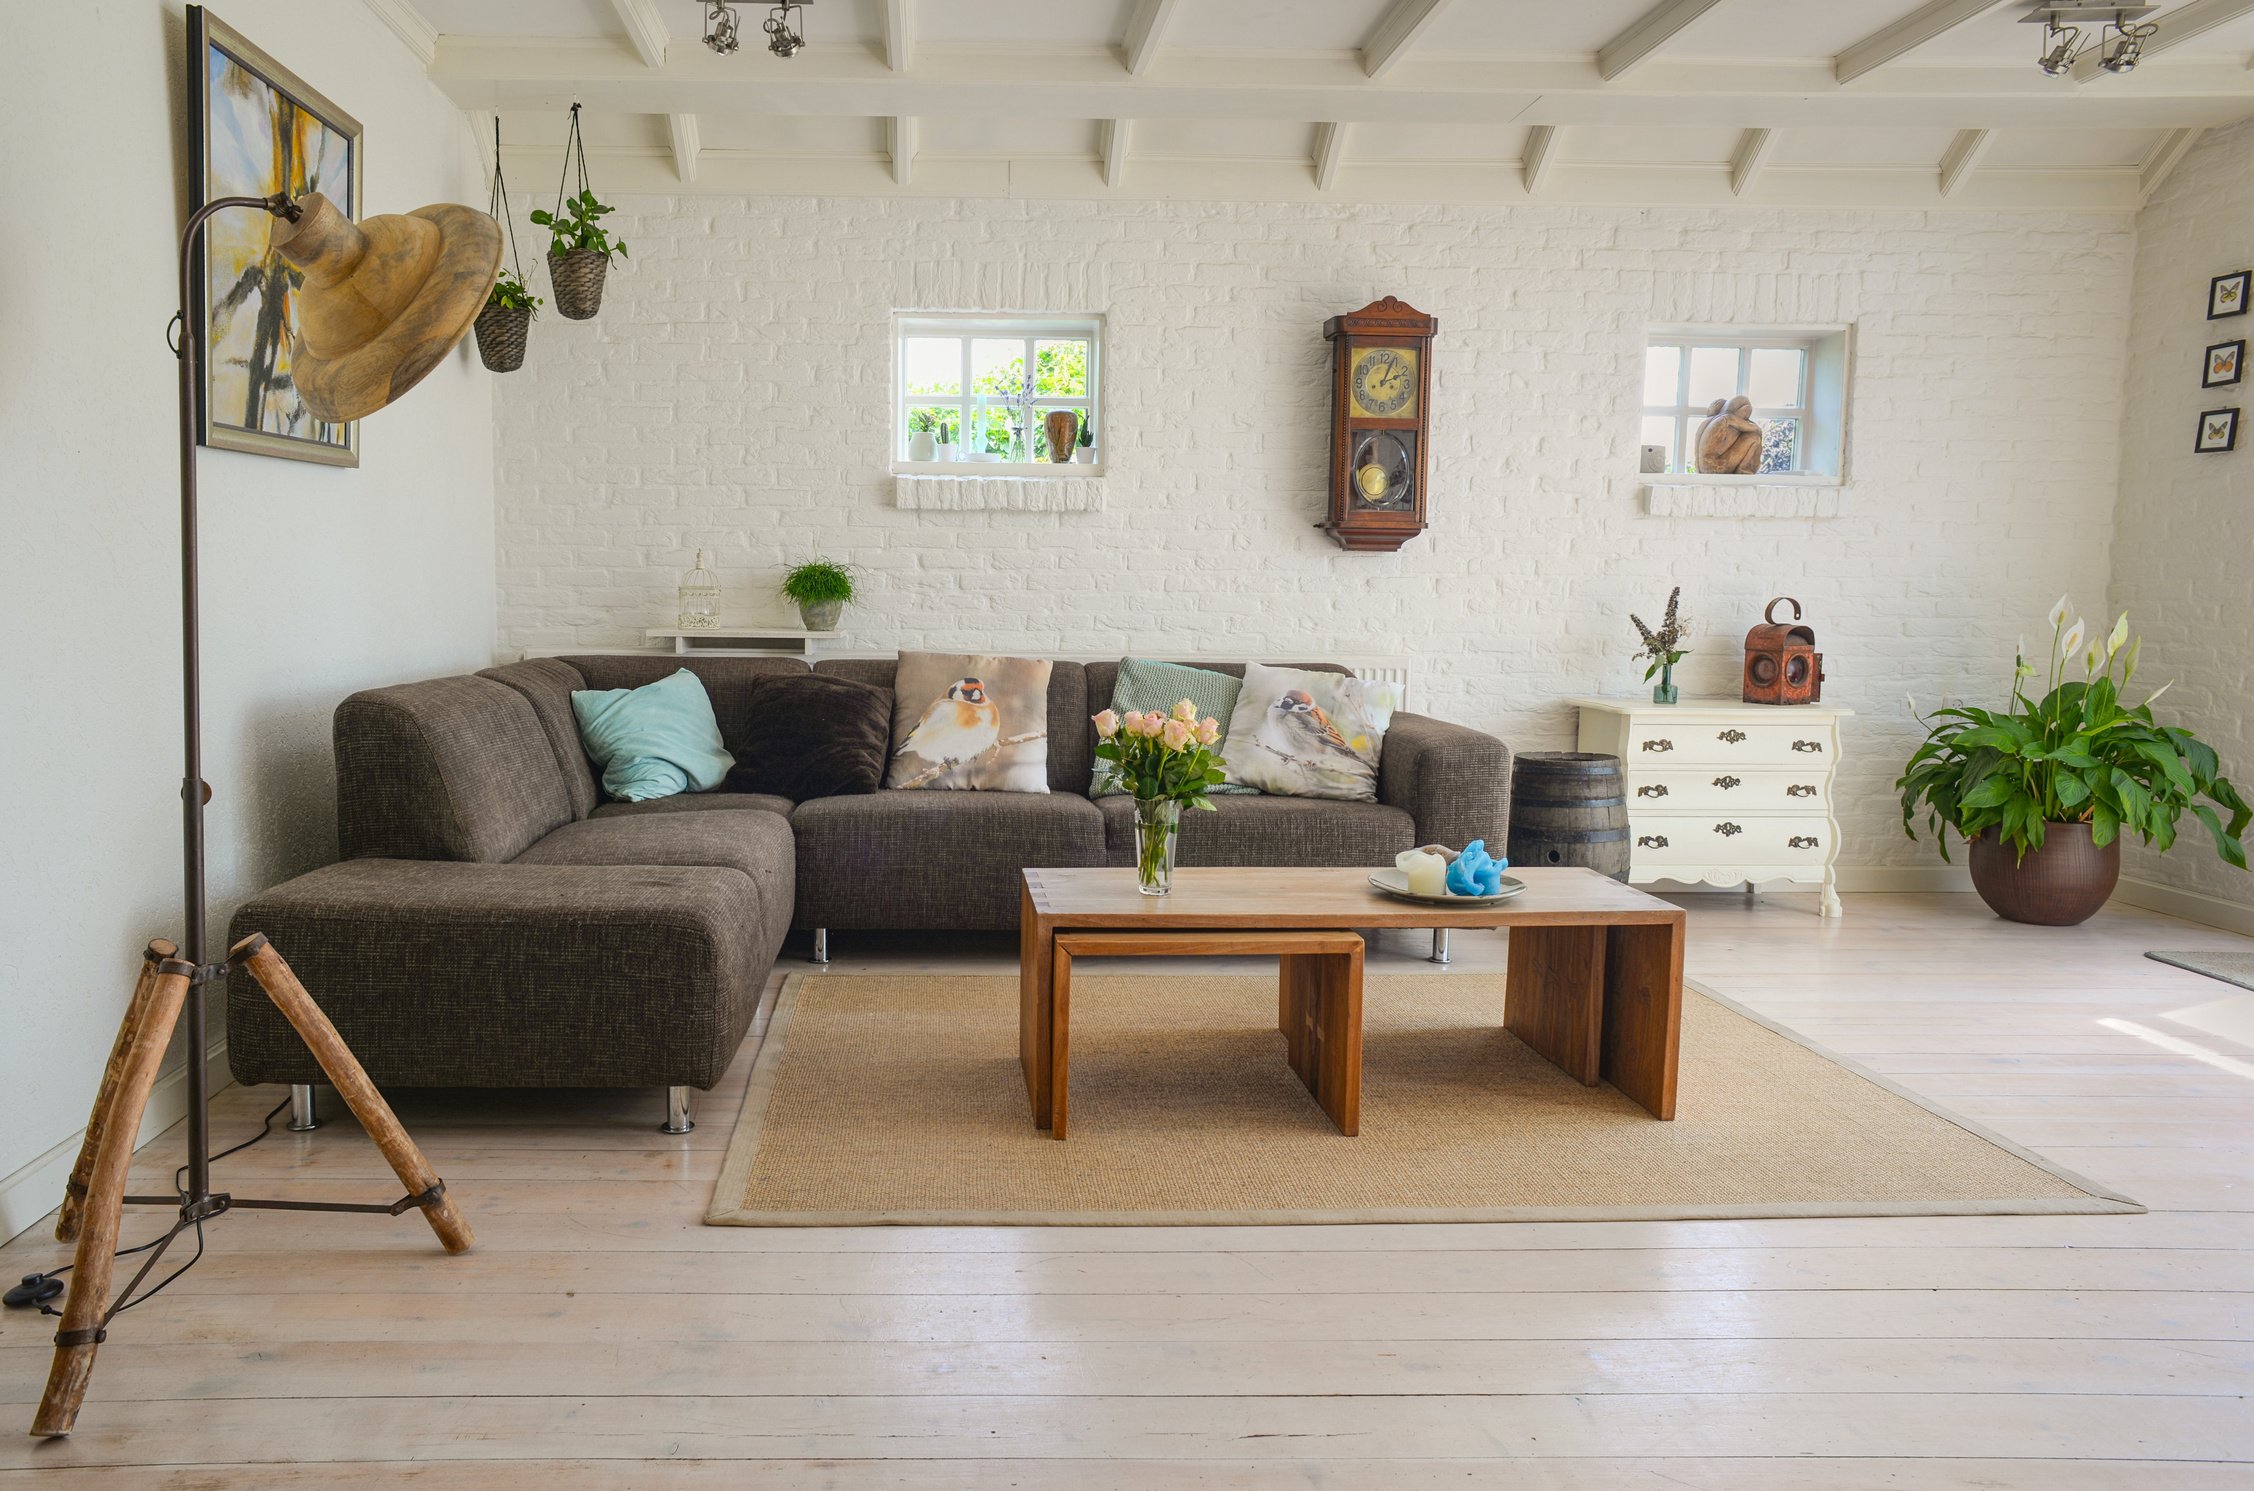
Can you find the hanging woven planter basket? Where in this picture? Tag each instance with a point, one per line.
(578, 277)
(501, 333)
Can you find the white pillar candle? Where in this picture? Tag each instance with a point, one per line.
(1428, 873)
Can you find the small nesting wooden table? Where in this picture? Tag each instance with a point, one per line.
(1595, 981)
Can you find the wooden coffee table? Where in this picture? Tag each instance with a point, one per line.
(1595, 982)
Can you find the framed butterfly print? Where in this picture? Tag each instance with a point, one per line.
(2226, 294)
(2226, 364)
(2218, 431)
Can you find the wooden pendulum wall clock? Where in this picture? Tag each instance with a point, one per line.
(1381, 424)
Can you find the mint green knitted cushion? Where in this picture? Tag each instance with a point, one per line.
(1147, 685)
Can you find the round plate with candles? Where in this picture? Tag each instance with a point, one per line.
(1430, 876)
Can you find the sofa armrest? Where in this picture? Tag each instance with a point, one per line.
(449, 974)
(1453, 780)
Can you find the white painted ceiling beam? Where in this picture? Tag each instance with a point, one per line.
(2164, 159)
(1538, 157)
(1111, 147)
(1397, 31)
(1753, 149)
(1652, 31)
(901, 137)
(899, 33)
(2177, 26)
(1962, 156)
(682, 130)
(1330, 150)
(645, 28)
(1912, 31)
(1145, 29)
(1083, 84)
(409, 25)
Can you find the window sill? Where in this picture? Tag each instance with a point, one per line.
(958, 486)
(1794, 495)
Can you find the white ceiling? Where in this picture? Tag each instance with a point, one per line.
(1833, 101)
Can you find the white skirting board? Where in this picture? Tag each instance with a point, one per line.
(36, 1189)
(2191, 905)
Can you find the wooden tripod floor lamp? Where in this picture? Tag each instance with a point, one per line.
(383, 302)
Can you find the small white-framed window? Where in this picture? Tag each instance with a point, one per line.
(1795, 381)
(982, 388)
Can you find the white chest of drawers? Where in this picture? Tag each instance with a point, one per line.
(1725, 793)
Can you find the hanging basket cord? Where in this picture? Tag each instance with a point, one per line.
(575, 149)
(498, 205)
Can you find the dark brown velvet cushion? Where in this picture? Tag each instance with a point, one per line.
(809, 735)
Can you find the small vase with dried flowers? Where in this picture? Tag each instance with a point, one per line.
(1664, 647)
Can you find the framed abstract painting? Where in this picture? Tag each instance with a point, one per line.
(258, 129)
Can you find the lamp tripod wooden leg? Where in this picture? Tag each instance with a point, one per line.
(141, 1042)
(360, 1095)
(93, 1209)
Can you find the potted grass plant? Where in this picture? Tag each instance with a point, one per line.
(820, 588)
(2043, 789)
(505, 322)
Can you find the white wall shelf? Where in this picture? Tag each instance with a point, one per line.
(1033, 493)
(742, 641)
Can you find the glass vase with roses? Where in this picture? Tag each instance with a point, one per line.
(1163, 761)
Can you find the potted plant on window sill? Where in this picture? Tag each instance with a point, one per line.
(820, 588)
(923, 440)
(504, 324)
(2044, 789)
(1086, 454)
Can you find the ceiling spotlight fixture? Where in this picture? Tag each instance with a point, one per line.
(784, 38)
(2120, 40)
(720, 27)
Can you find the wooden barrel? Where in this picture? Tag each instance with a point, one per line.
(1569, 808)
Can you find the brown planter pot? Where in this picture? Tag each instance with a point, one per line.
(2061, 884)
(501, 331)
(578, 276)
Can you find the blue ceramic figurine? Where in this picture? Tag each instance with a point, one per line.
(1476, 872)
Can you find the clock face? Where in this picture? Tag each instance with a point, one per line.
(1384, 383)
(1383, 471)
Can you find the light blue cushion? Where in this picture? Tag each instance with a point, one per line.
(1146, 685)
(654, 741)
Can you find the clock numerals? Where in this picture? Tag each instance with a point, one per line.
(1385, 383)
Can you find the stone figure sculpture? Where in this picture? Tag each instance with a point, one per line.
(1729, 443)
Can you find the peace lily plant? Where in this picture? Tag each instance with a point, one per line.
(2070, 771)
(1164, 761)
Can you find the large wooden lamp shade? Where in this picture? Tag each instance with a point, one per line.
(383, 302)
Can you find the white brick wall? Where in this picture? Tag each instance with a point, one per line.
(733, 395)
(2183, 547)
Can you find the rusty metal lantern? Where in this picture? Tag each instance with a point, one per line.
(1782, 665)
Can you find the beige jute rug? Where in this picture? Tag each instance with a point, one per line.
(897, 1100)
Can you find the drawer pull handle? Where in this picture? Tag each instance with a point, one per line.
(1659, 745)
(1730, 737)
(1659, 790)
(1800, 789)
(1801, 841)
(1652, 841)
(1728, 830)
(1815, 746)
(1726, 783)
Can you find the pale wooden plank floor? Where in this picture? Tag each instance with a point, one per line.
(601, 1337)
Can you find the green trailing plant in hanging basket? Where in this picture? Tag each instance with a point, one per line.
(2077, 755)
(512, 294)
(578, 225)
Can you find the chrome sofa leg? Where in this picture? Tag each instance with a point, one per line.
(1439, 945)
(303, 1120)
(678, 1101)
(821, 945)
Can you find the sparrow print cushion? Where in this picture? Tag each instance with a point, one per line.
(1299, 734)
(964, 723)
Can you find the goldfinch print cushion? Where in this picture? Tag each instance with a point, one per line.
(1304, 734)
(970, 723)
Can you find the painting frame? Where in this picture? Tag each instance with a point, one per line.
(2225, 364)
(233, 376)
(2227, 294)
(2224, 420)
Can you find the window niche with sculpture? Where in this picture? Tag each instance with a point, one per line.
(1749, 403)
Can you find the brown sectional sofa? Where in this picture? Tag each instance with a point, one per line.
(496, 922)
